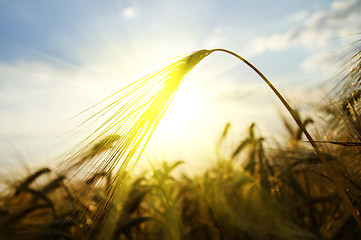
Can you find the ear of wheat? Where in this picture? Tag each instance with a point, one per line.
(132, 115)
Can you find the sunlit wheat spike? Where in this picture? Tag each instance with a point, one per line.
(129, 120)
(132, 117)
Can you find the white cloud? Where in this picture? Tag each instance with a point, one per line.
(296, 17)
(343, 5)
(316, 31)
(215, 38)
(274, 42)
(319, 61)
(37, 96)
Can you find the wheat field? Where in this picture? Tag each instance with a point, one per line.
(307, 187)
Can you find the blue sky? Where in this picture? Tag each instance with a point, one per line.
(60, 57)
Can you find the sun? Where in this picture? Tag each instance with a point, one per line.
(180, 132)
(184, 109)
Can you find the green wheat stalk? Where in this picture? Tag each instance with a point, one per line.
(139, 107)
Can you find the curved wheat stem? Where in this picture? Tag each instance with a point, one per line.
(137, 110)
(332, 174)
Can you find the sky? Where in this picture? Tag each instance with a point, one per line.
(58, 58)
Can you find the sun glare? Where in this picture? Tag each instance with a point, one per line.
(184, 108)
